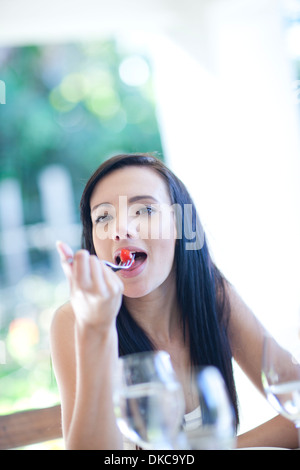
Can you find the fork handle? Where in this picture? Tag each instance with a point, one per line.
(112, 266)
(115, 269)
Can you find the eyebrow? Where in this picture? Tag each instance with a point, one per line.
(130, 200)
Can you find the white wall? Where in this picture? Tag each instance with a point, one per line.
(231, 132)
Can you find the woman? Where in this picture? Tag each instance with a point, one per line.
(174, 298)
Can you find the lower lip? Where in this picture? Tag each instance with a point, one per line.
(132, 272)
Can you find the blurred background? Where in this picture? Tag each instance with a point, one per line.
(68, 108)
(212, 87)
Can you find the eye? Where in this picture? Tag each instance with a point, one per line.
(103, 218)
(146, 210)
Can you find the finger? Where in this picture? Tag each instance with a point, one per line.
(103, 277)
(112, 281)
(97, 276)
(66, 258)
(65, 252)
(81, 270)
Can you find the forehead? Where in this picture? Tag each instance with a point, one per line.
(130, 181)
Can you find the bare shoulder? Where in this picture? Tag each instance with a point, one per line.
(246, 335)
(62, 334)
(62, 342)
(64, 313)
(242, 318)
(63, 317)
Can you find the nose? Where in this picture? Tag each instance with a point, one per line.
(123, 229)
(122, 234)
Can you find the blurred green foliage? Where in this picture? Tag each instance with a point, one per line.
(68, 105)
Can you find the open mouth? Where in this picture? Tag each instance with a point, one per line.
(139, 258)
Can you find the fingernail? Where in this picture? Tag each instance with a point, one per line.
(65, 252)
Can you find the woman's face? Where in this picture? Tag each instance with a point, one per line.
(131, 208)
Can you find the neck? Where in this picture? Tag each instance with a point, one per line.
(157, 313)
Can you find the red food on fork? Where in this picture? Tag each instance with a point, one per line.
(125, 255)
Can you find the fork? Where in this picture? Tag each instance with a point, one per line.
(117, 267)
(114, 267)
(67, 255)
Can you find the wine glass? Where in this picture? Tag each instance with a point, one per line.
(281, 377)
(215, 427)
(148, 400)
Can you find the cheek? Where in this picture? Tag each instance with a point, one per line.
(101, 247)
(163, 254)
(162, 226)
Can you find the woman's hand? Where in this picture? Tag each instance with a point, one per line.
(95, 290)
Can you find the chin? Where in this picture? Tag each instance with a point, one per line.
(136, 292)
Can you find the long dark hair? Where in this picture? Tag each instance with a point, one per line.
(201, 288)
